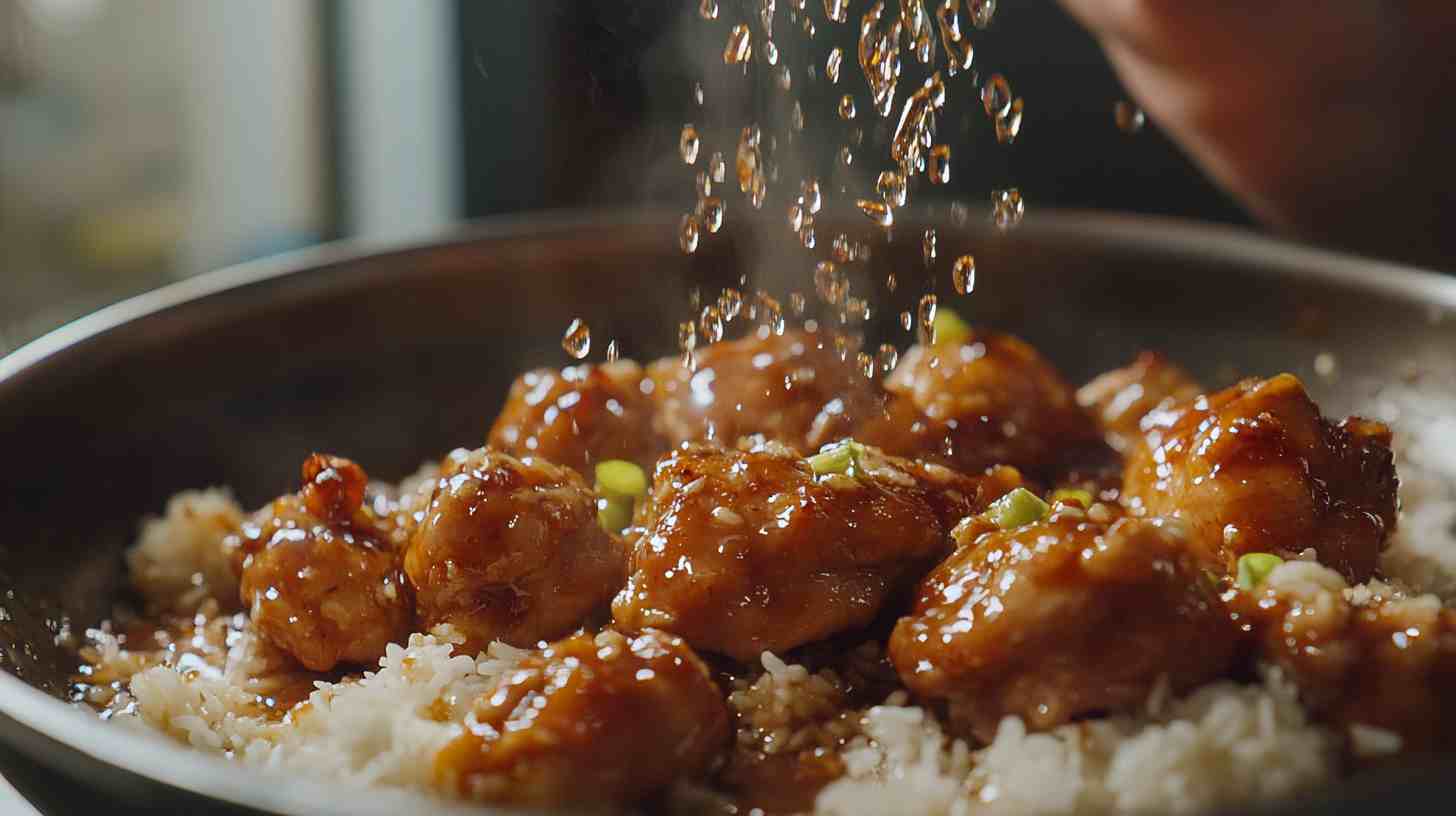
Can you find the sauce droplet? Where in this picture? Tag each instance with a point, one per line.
(876, 211)
(866, 364)
(710, 213)
(739, 46)
(687, 234)
(928, 249)
(796, 216)
(577, 340)
(939, 171)
(836, 10)
(846, 107)
(1007, 208)
(717, 168)
(612, 353)
(925, 318)
(798, 303)
(891, 186)
(996, 96)
(888, 357)
(770, 52)
(770, 312)
(809, 191)
(710, 323)
(981, 12)
(1129, 117)
(963, 274)
(830, 282)
(708, 9)
(907, 320)
(687, 144)
(1008, 127)
(831, 65)
(730, 303)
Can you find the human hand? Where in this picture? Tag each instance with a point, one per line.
(1329, 120)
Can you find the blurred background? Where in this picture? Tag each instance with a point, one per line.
(142, 141)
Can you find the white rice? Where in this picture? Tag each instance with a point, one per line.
(178, 560)
(383, 728)
(1223, 745)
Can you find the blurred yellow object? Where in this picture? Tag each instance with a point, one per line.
(138, 234)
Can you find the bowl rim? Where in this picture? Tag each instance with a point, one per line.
(163, 760)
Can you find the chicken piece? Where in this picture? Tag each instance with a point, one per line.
(989, 399)
(319, 573)
(1060, 618)
(1254, 468)
(746, 551)
(1368, 656)
(510, 549)
(580, 415)
(791, 388)
(605, 719)
(1120, 398)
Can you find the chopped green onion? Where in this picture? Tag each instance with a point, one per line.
(1020, 506)
(614, 515)
(1070, 495)
(1253, 568)
(839, 457)
(950, 329)
(621, 478)
(619, 485)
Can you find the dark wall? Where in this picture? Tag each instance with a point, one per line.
(575, 103)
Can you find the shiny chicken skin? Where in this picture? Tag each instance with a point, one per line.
(1255, 468)
(740, 552)
(1119, 399)
(510, 549)
(580, 415)
(1364, 658)
(988, 399)
(791, 388)
(600, 719)
(319, 572)
(1060, 618)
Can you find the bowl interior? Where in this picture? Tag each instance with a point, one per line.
(393, 357)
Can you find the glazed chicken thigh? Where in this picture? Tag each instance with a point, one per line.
(590, 720)
(580, 415)
(510, 549)
(741, 552)
(1360, 657)
(981, 400)
(1059, 618)
(791, 388)
(1119, 399)
(318, 571)
(1255, 468)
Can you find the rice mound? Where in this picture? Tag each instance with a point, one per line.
(382, 728)
(1224, 744)
(178, 559)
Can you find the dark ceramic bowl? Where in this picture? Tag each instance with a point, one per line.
(391, 355)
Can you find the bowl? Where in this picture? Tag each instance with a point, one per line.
(392, 354)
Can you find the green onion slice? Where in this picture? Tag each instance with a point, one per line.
(1070, 495)
(1020, 506)
(839, 457)
(950, 329)
(1253, 568)
(619, 485)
